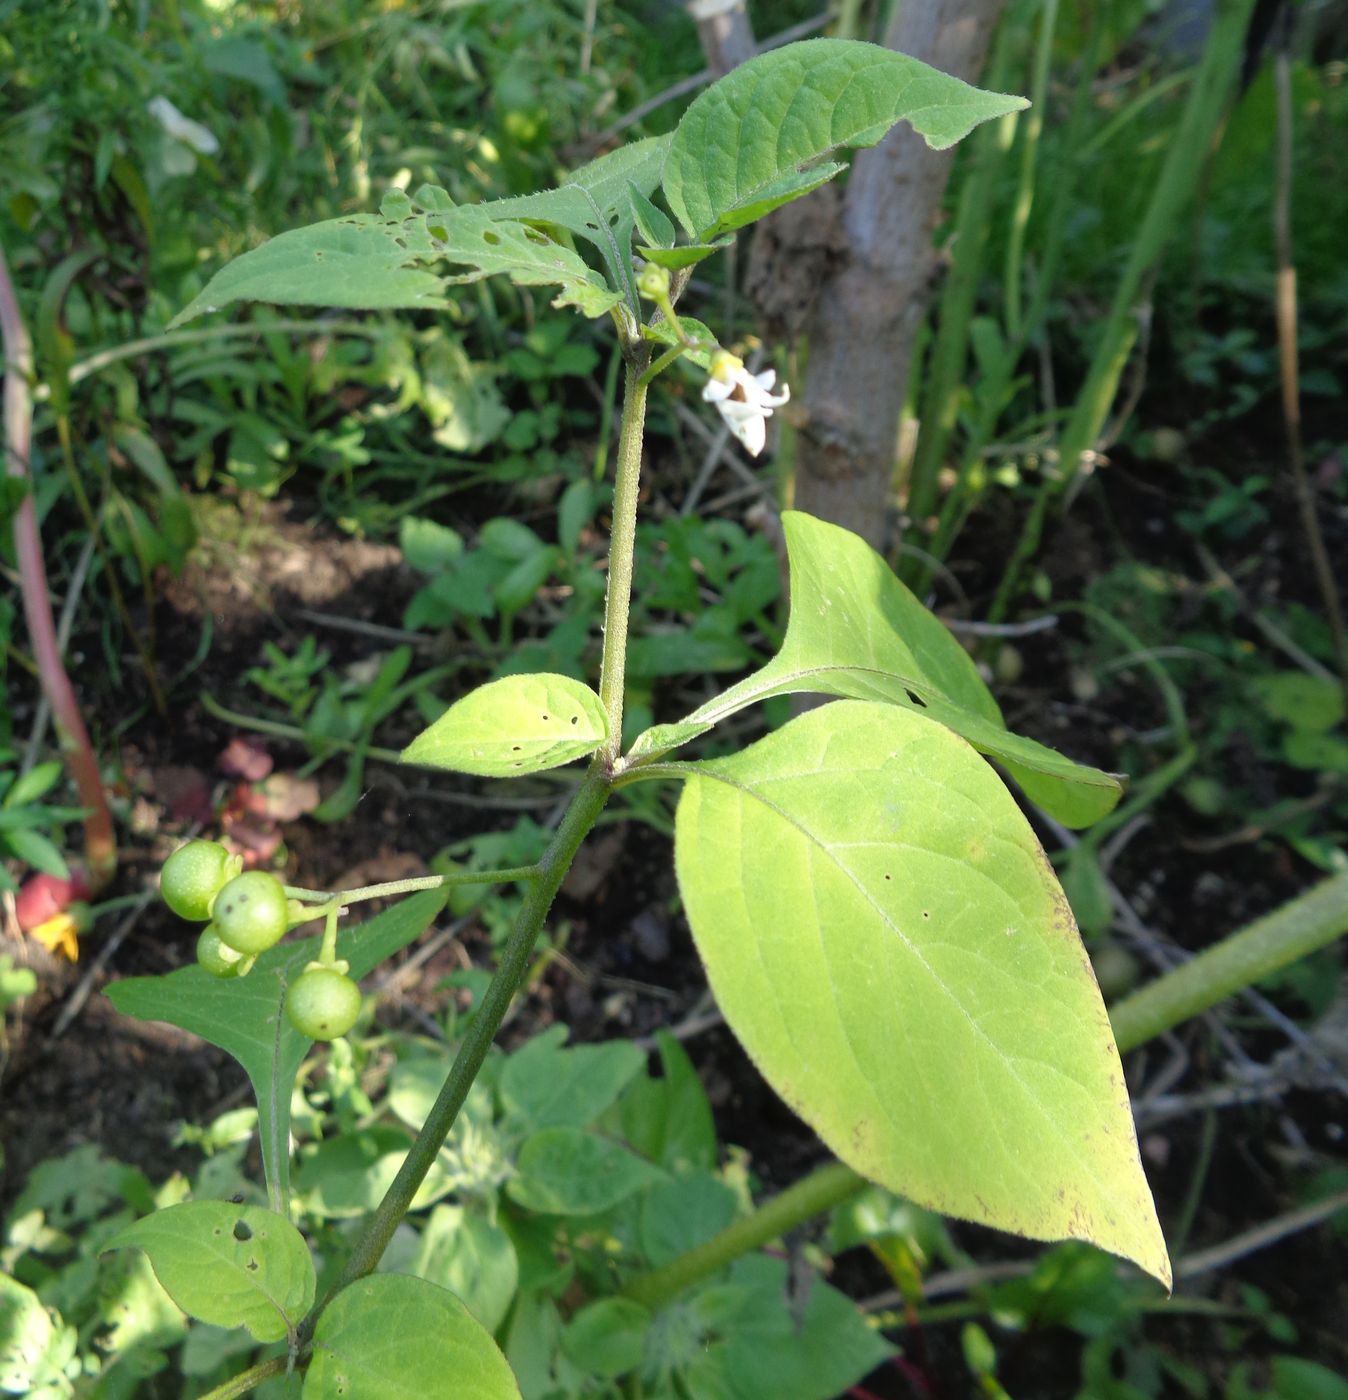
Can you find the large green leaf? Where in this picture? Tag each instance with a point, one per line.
(885, 936)
(521, 724)
(596, 203)
(740, 148)
(362, 262)
(229, 1265)
(246, 1016)
(394, 1337)
(856, 631)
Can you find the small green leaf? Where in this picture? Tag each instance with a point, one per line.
(740, 147)
(232, 1266)
(668, 1119)
(651, 223)
(677, 1216)
(246, 1017)
(522, 724)
(35, 783)
(684, 255)
(473, 1258)
(543, 1085)
(606, 1338)
(663, 334)
(856, 631)
(35, 1347)
(361, 262)
(886, 938)
(565, 1171)
(34, 849)
(393, 1337)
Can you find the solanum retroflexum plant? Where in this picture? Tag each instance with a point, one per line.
(878, 921)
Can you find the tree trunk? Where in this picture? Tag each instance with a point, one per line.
(872, 289)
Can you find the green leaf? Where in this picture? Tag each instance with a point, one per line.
(35, 849)
(669, 1119)
(684, 255)
(476, 236)
(473, 1258)
(36, 1349)
(246, 1016)
(545, 1086)
(606, 1338)
(596, 203)
(392, 1337)
(663, 334)
(740, 147)
(856, 631)
(522, 724)
(229, 1265)
(887, 940)
(361, 262)
(35, 783)
(564, 1171)
(651, 223)
(679, 1215)
(767, 1349)
(347, 1175)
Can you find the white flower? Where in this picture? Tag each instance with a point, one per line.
(745, 400)
(182, 128)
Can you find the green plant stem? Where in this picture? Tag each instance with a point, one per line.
(248, 1380)
(1287, 934)
(622, 551)
(100, 841)
(420, 882)
(1282, 937)
(575, 825)
(819, 1192)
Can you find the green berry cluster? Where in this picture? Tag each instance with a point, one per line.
(248, 912)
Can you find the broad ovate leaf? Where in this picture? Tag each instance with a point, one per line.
(886, 938)
(520, 724)
(743, 146)
(394, 1337)
(246, 1016)
(362, 262)
(229, 1265)
(856, 631)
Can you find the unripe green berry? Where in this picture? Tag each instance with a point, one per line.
(322, 1003)
(653, 282)
(251, 912)
(192, 877)
(217, 958)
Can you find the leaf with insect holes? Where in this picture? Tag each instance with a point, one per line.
(246, 1016)
(887, 939)
(362, 262)
(750, 142)
(229, 1265)
(856, 631)
(520, 724)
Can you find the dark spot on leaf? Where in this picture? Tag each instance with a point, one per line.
(575, 719)
(916, 699)
(514, 748)
(242, 1230)
(926, 914)
(236, 1199)
(252, 1266)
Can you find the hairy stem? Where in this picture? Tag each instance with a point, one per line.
(622, 549)
(100, 843)
(815, 1194)
(575, 826)
(390, 888)
(248, 1380)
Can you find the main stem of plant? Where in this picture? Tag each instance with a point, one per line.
(547, 877)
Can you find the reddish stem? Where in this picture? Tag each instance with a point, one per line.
(100, 843)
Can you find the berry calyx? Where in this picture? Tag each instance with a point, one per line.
(218, 958)
(192, 877)
(251, 913)
(322, 1003)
